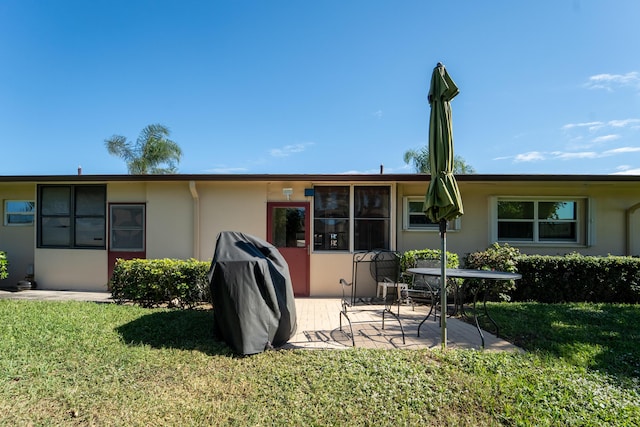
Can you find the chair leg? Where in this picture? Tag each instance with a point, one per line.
(344, 313)
(388, 310)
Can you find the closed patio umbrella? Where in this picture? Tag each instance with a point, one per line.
(443, 202)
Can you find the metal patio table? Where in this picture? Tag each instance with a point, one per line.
(481, 275)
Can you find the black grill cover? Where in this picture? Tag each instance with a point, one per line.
(252, 295)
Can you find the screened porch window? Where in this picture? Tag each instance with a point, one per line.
(127, 227)
(71, 216)
(360, 213)
(331, 218)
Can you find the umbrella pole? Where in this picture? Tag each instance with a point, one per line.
(443, 283)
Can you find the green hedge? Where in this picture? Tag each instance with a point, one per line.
(409, 258)
(3, 266)
(559, 279)
(495, 257)
(155, 282)
(578, 278)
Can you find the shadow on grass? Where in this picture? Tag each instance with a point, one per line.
(603, 337)
(179, 329)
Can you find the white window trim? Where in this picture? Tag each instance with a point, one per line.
(584, 228)
(453, 226)
(7, 213)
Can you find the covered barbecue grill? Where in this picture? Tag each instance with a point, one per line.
(252, 294)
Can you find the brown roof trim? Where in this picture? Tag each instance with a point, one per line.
(315, 178)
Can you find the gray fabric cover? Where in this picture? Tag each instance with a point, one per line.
(252, 294)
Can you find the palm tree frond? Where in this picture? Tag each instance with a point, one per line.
(152, 150)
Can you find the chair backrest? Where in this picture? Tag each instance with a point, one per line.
(385, 266)
(428, 263)
(427, 281)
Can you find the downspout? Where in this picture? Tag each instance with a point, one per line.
(196, 219)
(628, 214)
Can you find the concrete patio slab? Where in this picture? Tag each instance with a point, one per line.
(319, 327)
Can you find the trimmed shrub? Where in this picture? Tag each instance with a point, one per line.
(409, 258)
(559, 279)
(155, 282)
(495, 257)
(3, 266)
(578, 278)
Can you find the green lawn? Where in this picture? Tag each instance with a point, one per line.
(103, 364)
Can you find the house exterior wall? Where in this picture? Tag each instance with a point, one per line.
(235, 206)
(83, 269)
(71, 269)
(17, 241)
(184, 217)
(607, 203)
(169, 220)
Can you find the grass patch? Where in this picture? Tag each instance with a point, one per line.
(74, 363)
(598, 337)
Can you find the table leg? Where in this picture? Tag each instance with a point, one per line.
(433, 308)
(475, 317)
(482, 288)
(486, 313)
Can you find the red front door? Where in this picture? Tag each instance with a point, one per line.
(288, 230)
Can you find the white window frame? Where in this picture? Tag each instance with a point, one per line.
(583, 221)
(454, 225)
(8, 213)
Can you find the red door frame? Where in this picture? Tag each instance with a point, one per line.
(302, 291)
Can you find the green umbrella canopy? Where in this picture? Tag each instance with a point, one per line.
(443, 199)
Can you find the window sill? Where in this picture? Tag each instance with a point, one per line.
(428, 230)
(521, 243)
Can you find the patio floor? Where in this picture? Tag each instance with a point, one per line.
(319, 324)
(319, 327)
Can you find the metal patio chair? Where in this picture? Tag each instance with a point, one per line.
(385, 268)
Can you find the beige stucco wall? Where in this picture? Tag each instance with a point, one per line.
(328, 268)
(127, 192)
(237, 206)
(17, 241)
(71, 269)
(169, 220)
(326, 271)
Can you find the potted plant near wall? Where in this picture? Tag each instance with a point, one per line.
(28, 282)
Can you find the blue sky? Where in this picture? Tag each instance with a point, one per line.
(548, 86)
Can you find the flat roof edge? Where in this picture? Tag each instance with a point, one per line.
(314, 178)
